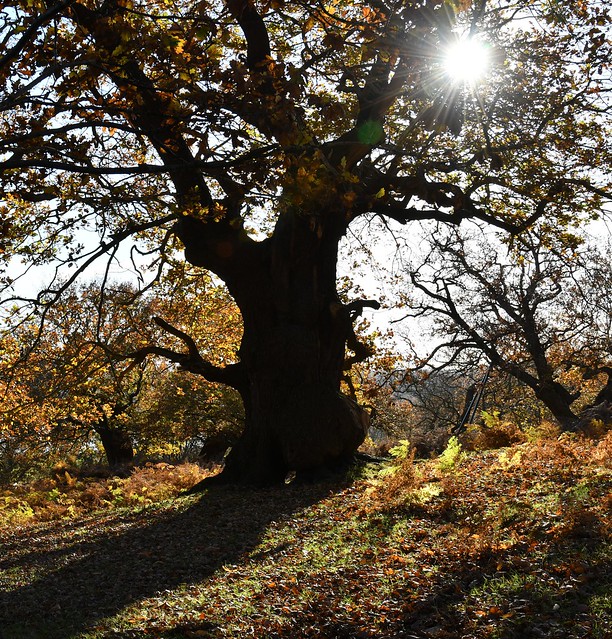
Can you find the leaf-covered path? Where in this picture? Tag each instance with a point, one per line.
(511, 543)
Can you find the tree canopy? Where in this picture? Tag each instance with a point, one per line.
(252, 134)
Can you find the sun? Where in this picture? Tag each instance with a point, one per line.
(466, 61)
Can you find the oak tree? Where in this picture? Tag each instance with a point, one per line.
(251, 133)
(70, 389)
(62, 387)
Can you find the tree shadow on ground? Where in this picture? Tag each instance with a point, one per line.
(94, 575)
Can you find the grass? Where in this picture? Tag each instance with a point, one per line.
(499, 544)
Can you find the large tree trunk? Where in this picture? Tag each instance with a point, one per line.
(117, 446)
(297, 418)
(293, 354)
(551, 393)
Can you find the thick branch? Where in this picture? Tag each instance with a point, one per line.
(184, 337)
(232, 375)
(375, 98)
(361, 351)
(212, 167)
(150, 112)
(403, 215)
(605, 393)
(356, 307)
(267, 102)
(254, 29)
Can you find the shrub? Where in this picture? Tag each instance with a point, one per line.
(394, 486)
(543, 430)
(15, 511)
(602, 454)
(64, 496)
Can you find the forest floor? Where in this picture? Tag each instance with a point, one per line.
(515, 542)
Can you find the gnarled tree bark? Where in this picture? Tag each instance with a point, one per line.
(292, 355)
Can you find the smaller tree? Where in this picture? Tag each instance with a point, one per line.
(24, 429)
(438, 397)
(531, 306)
(64, 382)
(72, 383)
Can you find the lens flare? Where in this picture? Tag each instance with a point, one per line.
(466, 61)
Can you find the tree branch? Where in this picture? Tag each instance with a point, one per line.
(150, 111)
(361, 351)
(213, 167)
(31, 30)
(184, 337)
(355, 308)
(254, 29)
(232, 375)
(105, 247)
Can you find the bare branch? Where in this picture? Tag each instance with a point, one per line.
(184, 337)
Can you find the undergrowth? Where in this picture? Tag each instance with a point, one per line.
(66, 496)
